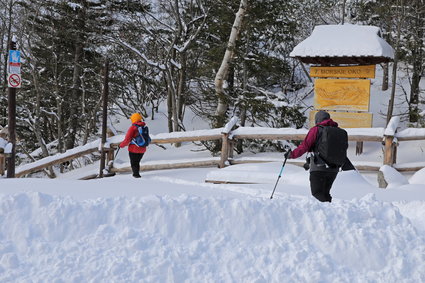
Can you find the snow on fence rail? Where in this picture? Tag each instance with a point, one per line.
(389, 137)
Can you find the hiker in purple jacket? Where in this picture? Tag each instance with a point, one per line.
(321, 175)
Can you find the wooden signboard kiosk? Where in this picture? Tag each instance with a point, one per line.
(344, 58)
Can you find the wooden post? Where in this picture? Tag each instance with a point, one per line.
(104, 117)
(11, 123)
(231, 145)
(359, 148)
(110, 155)
(395, 144)
(389, 151)
(111, 152)
(2, 164)
(224, 150)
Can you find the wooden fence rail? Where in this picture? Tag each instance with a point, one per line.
(389, 138)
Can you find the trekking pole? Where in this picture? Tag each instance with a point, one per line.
(118, 150)
(111, 162)
(280, 174)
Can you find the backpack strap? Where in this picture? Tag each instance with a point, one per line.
(318, 136)
(133, 140)
(316, 156)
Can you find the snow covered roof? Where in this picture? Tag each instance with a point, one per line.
(344, 44)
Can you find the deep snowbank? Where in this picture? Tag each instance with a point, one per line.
(206, 239)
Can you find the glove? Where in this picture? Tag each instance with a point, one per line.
(287, 154)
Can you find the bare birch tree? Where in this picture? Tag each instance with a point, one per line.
(220, 114)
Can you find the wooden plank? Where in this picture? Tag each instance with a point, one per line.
(367, 71)
(411, 138)
(163, 166)
(408, 169)
(360, 167)
(89, 177)
(48, 163)
(359, 138)
(229, 182)
(271, 136)
(180, 139)
(348, 119)
(334, 94)
(300, 137)
(298, 162)
(187, 139)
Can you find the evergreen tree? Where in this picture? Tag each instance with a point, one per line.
(408, 16)
(65, 47)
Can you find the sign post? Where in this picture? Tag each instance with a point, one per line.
(104, 116)
(13, 81)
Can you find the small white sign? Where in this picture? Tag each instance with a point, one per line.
(14, 80)
(14, 68)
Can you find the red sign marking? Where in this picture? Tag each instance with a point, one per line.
(14, 80)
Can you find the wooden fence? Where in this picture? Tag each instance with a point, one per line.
(389, 139)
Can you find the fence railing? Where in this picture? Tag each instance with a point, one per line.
(389, 138)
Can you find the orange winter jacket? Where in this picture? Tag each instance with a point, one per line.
(132, 133)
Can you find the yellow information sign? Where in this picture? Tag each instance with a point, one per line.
(367, 71)
(347, 119)
(334, 94)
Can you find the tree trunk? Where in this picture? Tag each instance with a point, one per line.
(61, 146)
(169, 110)
(220, 114)
(181, 86)
(394, 74)
(417, 64)
(343, 12)
(242, 104)
(172, 105)
(76, 82)
(37, 123)
(385, 68)
(414, 93)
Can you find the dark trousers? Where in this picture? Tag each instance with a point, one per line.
(135, 162)
(321, 184)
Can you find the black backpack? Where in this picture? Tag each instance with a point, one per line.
(331, 145)
(143, 138)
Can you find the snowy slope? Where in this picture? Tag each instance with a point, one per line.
(213, 239)
(171, 226)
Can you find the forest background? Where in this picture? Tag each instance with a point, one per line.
(169, 51)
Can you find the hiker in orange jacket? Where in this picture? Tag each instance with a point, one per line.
(135, 152)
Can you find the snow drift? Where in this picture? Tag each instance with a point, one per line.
(206, 239)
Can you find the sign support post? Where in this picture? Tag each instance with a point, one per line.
(11, 122)
(104, 116)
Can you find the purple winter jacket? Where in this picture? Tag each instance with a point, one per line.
(308, 145)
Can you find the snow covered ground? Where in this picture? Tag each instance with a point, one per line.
(172, 226)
